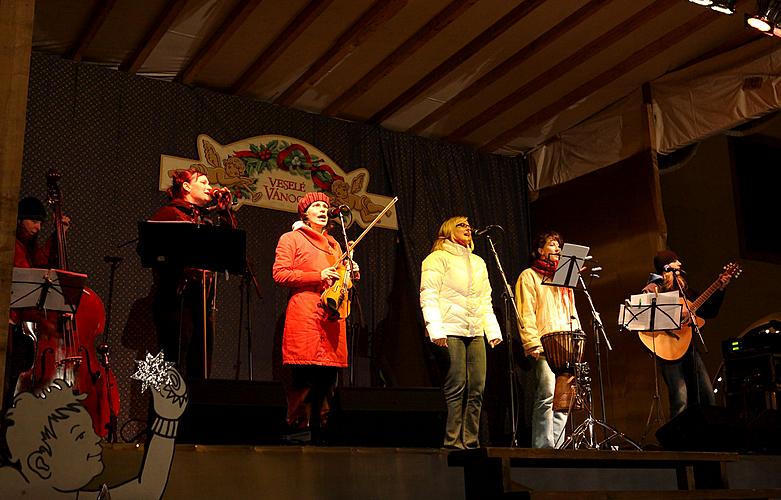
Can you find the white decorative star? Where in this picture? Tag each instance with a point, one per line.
(153, 371)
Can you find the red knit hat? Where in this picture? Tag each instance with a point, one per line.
(310, 198)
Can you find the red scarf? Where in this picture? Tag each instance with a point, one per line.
(544, 267)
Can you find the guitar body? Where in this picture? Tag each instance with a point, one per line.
(670, 345)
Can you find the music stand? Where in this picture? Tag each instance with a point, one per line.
(567, 272)
(206, 247)
(651, 312)
(46, 289)
(198, 246)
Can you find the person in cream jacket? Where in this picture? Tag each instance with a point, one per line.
(455, 297)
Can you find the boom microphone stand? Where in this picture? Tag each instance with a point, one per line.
(509, 298)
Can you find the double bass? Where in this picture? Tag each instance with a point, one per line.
(65, 342)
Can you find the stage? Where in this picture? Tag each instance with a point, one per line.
(323, 472)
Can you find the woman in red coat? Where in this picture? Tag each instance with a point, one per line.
(314, 345)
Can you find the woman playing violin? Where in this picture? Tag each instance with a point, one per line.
(314, 343)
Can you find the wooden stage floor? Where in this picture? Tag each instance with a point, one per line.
(313, 472)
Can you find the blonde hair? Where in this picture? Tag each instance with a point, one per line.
(446, 231)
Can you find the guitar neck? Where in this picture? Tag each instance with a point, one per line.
(706, 295)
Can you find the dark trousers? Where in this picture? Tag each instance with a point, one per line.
(309, 390)
(178, 315)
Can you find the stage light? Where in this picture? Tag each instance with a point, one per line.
(724, 6)
(766, 17)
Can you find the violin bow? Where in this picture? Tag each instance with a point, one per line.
(373, 223)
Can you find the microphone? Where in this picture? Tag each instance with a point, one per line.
(676, 271)
(480, 232)
(334, 212)
(219, 192)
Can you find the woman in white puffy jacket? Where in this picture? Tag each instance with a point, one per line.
(455, 296)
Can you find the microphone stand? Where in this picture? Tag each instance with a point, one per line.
(103, 348)
(695, 327)
(350, 353)
(508, 297)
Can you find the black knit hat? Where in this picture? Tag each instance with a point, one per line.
(31, 209)
(663, 258)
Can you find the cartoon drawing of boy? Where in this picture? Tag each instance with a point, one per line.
(53, 452)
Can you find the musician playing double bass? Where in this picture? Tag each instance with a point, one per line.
(28, 253)
(179, 304)
(687, 378)
(544, 309)
(314, 342)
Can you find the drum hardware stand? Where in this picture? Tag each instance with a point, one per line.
(509, 298)
(584, 433)
(245, 301)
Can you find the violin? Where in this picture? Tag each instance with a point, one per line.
(336, 298)
(65, 342)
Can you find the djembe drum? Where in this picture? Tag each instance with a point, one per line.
(563, 350)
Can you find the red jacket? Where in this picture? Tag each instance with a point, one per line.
(310, 338)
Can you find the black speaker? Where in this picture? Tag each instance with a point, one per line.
(233, 412)
(393, 417)
(704, 428)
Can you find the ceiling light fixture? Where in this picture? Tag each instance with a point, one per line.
(724, 6)
(766, 16)
(706, 3)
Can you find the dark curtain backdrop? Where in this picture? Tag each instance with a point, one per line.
(105, 131)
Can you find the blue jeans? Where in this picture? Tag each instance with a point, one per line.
(547, 425)
(687, 382)
(463, 390)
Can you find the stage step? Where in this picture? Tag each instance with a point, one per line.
(487, 473)
(645, 495)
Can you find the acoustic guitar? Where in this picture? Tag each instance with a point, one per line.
(673, 344)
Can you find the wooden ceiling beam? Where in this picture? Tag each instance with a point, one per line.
(98, 16)
(240, 13)
(440, 21)
(454, 61)
(535, 46)
(164, 21)
(590, 50)
(639, 57)
(289, 34)
(371, 20)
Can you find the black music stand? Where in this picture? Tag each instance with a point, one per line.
(207, 247)
(198, 246)
(571, 261)
(46, 289)
(651, 316)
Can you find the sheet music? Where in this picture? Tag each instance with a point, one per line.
(638, 315)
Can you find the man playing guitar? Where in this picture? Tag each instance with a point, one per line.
(682, 367)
